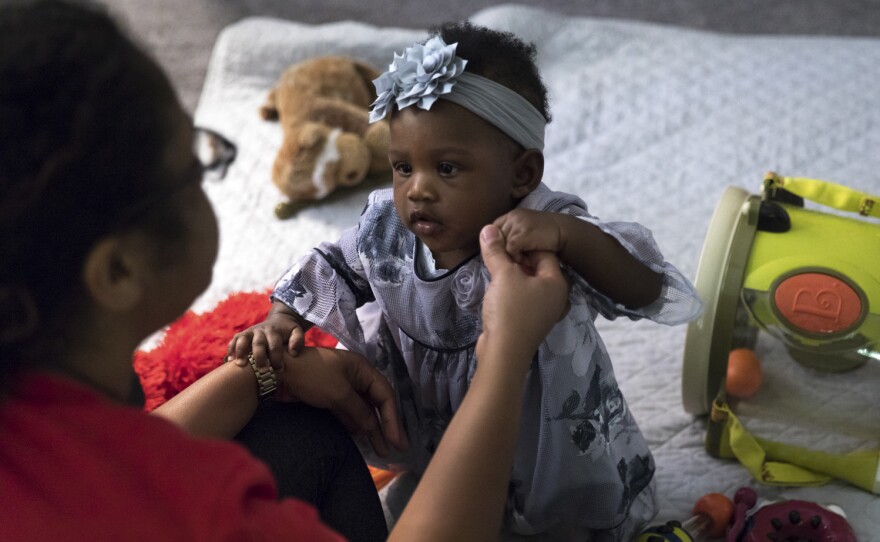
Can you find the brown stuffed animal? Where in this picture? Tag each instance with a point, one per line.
(323, 107)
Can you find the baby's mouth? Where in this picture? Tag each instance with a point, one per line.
(424, 224)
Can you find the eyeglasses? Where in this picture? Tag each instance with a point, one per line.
(215, 154)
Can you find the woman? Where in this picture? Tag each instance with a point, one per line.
(107, 236)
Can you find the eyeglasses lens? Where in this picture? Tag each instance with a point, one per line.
(214, 152)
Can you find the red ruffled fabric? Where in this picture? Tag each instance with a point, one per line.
(196, 343)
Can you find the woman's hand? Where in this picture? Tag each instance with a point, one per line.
(346, 384)
(524, 300)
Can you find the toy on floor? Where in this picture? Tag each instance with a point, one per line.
(744, 374)
(808, 278)
(743, 520)
(323, 107)
(794, 520)
(711, 516)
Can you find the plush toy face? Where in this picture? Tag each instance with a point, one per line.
(323, 107)
(316, 159)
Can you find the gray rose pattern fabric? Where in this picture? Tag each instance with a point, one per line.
(581, 458)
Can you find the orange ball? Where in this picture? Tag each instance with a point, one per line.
(718, 509)
(744, 375)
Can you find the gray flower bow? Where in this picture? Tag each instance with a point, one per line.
(421, 75)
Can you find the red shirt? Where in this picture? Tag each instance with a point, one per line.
(75, 466)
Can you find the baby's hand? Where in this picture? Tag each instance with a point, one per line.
(268, 340)
(526, 230)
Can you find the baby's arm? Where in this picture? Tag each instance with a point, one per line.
(596, 256)
(267, 340)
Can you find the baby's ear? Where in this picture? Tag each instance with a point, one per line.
(528, 171)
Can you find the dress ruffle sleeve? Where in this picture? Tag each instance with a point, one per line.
(678, 301)
(326, 286)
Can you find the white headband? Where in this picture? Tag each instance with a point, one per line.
(427, 72)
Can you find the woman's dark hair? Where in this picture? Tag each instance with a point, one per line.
(501, 57)
(84, 125)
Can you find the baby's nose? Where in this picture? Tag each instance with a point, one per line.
(420, 187)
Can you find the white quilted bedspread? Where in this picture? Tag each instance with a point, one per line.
(650, 124)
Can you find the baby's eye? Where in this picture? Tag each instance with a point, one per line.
(445, 168)
(402, 168)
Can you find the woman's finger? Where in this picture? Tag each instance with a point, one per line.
(363, 421)
(377, 391)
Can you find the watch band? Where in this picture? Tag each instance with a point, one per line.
(267, 382)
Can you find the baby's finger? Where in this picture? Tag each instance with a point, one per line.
(501, 221)
(296, 341)
(514, 248)
(230, 348)
(545, 264)
(259, 349)
(515, 255)
(511, 237)
(242, 344)
(232, 352)
(275, 351)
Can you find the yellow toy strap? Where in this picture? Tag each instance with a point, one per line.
(826, 193)
(772, 463)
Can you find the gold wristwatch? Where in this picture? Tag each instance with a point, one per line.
(267, 382)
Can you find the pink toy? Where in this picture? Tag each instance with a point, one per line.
(786, 520)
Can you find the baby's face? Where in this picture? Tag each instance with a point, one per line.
(453, 174)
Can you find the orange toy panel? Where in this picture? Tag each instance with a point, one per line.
(818, 303)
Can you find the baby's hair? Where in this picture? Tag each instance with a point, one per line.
(82, 139)
(501, 57)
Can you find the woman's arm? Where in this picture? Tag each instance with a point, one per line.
(220, 403)
(217, 405)
(462, 494)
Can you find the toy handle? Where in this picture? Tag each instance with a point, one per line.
(825, 193)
